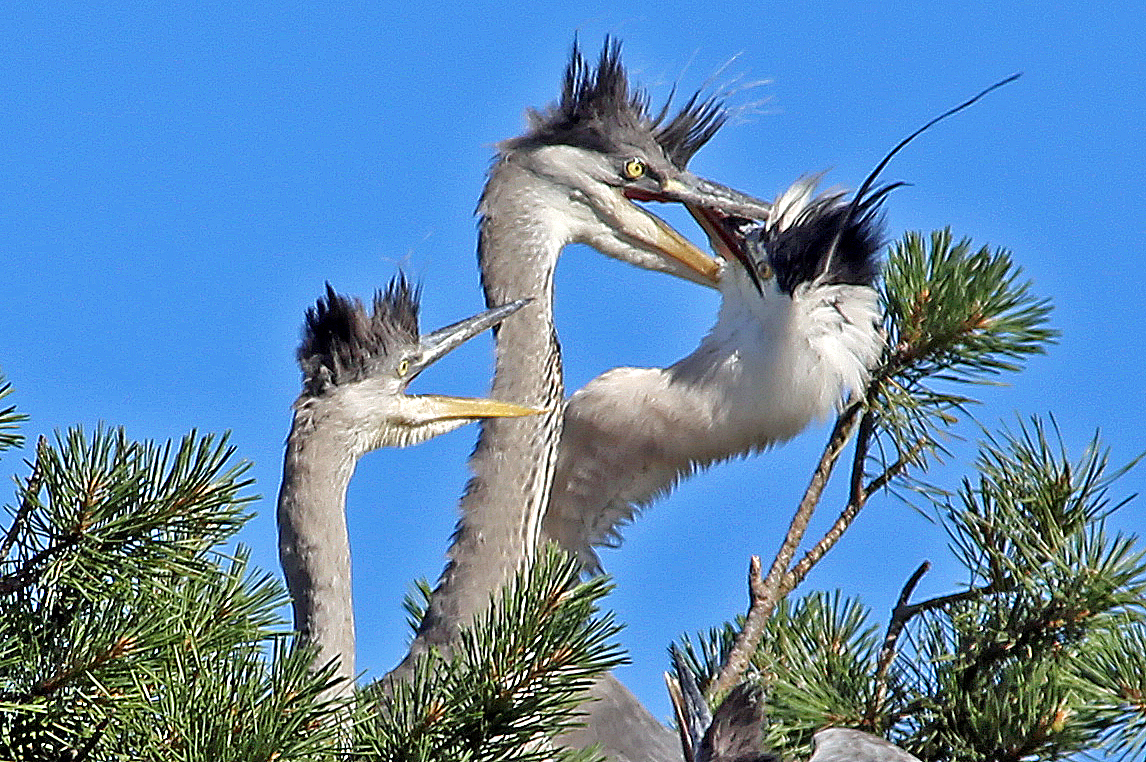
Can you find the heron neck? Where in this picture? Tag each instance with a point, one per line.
(513, 462)
(314, 547)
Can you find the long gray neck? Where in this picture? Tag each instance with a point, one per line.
(314, 547)
(514, 459)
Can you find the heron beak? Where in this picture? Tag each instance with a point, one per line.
(709, 203)
(442, 341)
(689, 189)
(655, 235)
(436, 407)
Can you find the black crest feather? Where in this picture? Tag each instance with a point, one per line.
(342, 344)
(598, 108)
(827, 239)
(737, 729)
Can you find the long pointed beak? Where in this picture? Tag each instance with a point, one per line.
(696, 191)
(655, 236)
(442, 341)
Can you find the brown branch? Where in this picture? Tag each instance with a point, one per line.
(856, 501)
(860, 494)
(899, 618)
(766, 593)
(31, 490)
(894, 470)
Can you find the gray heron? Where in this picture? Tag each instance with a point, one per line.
(572, 177)
(356, 367)
(798, 329)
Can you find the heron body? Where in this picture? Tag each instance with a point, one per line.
(571, 178)
(796, 332)
(356, 366)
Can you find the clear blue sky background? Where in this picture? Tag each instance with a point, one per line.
(180, 179)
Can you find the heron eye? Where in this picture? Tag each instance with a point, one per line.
(403, 367)
(764, 270)
(634, 169)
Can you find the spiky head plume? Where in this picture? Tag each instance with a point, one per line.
(342, 344)
(599, 111)
(820, 237)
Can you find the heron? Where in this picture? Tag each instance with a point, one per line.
(798, 329)
(356, 367)
(574, 176)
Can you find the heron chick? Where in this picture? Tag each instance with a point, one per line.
(356, 367)
(573, 177)
(798, 330)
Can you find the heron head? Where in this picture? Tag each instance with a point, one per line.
(369, 358)
(602, 148)
(807, 240)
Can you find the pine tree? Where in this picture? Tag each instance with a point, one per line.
(130, 628)
(127, 631)
(1039, 655)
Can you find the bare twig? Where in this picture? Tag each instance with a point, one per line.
(766, 594)
(858, 496)
(31, 489)
(903, 613)
(892, 471)
(899, 617)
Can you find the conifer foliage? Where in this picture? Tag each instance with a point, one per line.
(1038, 654)
(128, 632)
(130, 628)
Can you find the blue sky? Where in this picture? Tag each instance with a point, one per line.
(180, 180)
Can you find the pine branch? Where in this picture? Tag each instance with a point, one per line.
(512, 682)
(899, 618)
(9, 421)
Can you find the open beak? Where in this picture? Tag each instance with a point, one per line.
(437, 344)
(712, 205)
(654, 235)
(438, 407)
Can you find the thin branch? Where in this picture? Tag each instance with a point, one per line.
(857, 500)
(766, 594)
(899, 617)
(857, 493)
(946, 600)
(30, 491)
(892, 471)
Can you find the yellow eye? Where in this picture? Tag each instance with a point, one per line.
(763, 270)
(634, 169)
(403, 367)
